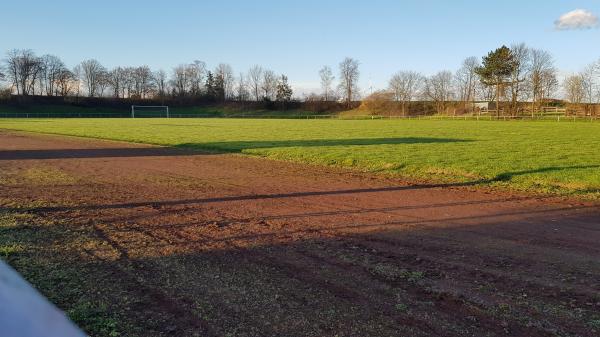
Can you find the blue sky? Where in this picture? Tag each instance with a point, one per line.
(296, 38)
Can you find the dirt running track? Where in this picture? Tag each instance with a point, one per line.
(178, 243)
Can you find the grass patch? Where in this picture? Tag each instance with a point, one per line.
(392, 273)
(8, 251)
(53, 266)
(94, 317)
(548, 157)
(401, 307)
(46, 175)
(38, 175)
(595, 324)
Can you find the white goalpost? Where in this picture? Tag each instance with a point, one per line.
(150, 111)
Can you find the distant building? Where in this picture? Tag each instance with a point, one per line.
(483, 106)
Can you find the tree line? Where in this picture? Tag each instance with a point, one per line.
(29, 74)
(507, 76)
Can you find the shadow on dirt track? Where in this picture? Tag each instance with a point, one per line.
(216, 147)
(95, 153)
(493, 276)
(239, 146)
(158, 203)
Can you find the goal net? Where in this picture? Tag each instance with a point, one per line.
(149, 111)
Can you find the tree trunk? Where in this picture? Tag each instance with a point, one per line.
(498, 99)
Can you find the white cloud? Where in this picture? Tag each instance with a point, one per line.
(577, 19)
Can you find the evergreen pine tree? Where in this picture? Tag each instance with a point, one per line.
(497, 67)
(219, 88)
(284, 91)
(210, 86)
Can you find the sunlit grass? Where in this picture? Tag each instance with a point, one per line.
(552, 157)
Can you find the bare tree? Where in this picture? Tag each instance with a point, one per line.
(129, 82)
(255, 75)
(405, 85)
(180, 80)
(349, 75)
(160, 83)
(438, 88)
(92, 75)
(327, 78)
(574, 89)
(188, 79)
(52, 67)
(103, 82)
(597, 73)
(224, 74)
(196, 73)
(23, 69)
(142, 84)
(117, 81)
(268, 84)
(242, 93)
(77, 74)
(590, 83)
(549, 84)
(65, 82)
(521, 57)
(541, 76)
(467, 79)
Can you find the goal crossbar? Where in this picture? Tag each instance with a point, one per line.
(164, 107)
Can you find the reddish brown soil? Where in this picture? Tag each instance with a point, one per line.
(179, 243)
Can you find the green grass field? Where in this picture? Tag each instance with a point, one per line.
(549, 157)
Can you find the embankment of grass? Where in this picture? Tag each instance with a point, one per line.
(69, 111)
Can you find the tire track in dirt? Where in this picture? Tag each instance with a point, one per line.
(154, 299)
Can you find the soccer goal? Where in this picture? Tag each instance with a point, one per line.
(149, 111)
